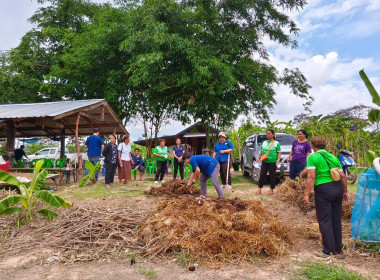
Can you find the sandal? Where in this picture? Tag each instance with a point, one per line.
(320, 254)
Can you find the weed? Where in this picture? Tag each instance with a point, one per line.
(184, 259)
(150, 273)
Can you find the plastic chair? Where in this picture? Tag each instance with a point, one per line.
(5, 167)
(33, 162)
(133, 172)
(48, 163)
(61, 163)
(20, 163)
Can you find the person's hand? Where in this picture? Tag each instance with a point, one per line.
(258, 160)
(222, 152)
(121, 164)
(132, 162)
(306, 200)
(277, 162)
(288, 160)
(345, 198)
(179, 159)
(136, 167)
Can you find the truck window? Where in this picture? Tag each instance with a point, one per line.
(261, 139)
(52, 151)
(43, 152)
(285, 140)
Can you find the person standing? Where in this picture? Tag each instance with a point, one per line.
(206, 151)
(110, 161)
(209, 167)
(222, 153)
(178, 151)
(125, 160)
(329, 195)
(161, 153)
(95, 145)
(301, 149)
(19, 153)
(138, 163)
(270, 155)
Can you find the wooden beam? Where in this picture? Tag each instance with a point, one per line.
(52, 124)
(82, 109)
(10, 139)
(77, 142)
(62, 155)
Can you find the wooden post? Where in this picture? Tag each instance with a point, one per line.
(62, 155)
(10, 140)
(114, 131)
(80, 165)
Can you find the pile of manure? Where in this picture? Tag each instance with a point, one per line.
(174, 187)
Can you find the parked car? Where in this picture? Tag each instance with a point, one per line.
(55, 153)
(251, 149)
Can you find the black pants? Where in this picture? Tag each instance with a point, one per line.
(224, 166)
(110, 172)
(176, 166)
(161, 169)
(272, 167)
(328, 205)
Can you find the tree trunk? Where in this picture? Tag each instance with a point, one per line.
(80, 164)
(207, 135)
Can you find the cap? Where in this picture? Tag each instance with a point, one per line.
(206, 149)
(223, 134)
(95, 130)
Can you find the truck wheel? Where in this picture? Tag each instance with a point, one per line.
(245, 173)
(255, 175)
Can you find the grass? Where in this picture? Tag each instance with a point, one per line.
(318, 271)
(352, 187)
(149, 273)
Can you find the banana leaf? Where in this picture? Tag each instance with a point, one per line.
(369, 156)
(8, 202)
(370, 87)
(357, 170)
(374, 116)
(63, 202)
(10, 179)
(48, 198)
(12, 210)
(49, 214)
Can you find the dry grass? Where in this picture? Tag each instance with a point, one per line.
(174, 187)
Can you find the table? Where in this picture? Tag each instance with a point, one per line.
(29, 176)
(61, 171)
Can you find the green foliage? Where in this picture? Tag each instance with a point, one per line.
(30, 193)
(316, 271)
(34, 147)
(91, 172)
(149, 273)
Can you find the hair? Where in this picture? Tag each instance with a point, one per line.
(186, 156)
(161, 140)
(114, 136)
(274, 134)
(137, 149)
(95, 130)
(318, 142)
(178, 139)
(22, 146)
(303, 132)
(125, 137)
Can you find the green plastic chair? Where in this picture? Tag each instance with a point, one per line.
(133, 172)
(61, 163)
(33, 162)
(20, 163)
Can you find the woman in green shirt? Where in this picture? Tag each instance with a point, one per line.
(161, 153)
(270, 163)
(329, 195)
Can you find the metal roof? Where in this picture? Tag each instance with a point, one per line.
(47, 109)
(50, 118)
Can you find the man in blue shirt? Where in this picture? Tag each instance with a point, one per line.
(95, 145)
(209, 167)
(138, 163)
(178, 151)
(222, 153)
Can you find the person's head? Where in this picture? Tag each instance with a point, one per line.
(301, 134)
(22, 147)
(178, 141)
(137, 152)
(186, 157)
(112, 139)
(125, 139)
(270, 134)
(161, 142)
(222, 137)
(318, 142)
(206, 151)
(95, 131)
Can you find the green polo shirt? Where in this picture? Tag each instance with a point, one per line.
(162, 152)
(272, 156)
(322, 171)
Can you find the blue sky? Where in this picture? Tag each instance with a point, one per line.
(337, 39)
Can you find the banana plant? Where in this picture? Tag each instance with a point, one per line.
(25, 203)
(91, 172)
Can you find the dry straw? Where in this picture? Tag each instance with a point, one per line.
(174, 187)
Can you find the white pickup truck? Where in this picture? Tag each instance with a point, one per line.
(55, 153)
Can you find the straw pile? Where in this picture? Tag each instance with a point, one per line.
(78, 234)
(293, 193)
(213, 231)
(174, 187)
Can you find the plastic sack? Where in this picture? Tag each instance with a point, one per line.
(365, 220)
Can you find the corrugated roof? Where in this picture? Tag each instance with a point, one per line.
(46, 109)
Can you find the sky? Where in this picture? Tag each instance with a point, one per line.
(338, 38)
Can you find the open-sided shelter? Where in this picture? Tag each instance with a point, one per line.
(57, 119)
(194, 135)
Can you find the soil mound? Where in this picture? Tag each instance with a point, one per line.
(174, 187)
(213, 230)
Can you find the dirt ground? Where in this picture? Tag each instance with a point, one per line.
(34, 264)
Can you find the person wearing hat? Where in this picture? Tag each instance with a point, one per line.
(206, 151)
(222, 153)
(95, 145)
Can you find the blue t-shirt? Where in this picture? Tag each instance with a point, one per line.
(178, 150)
(220, 147)
(205, 163)
(94, 144)
(137, 161)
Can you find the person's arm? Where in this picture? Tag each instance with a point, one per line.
(308, 154)
(228, 151)
(214, 154)
(130, 156)
(278, 157)
(194, 177)
(119, 157)
(290, 155)
(25, 155)
(259, 157)
(309, 185)
(344, 183)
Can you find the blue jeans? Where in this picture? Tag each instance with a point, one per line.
(296, 168)
(94, 161)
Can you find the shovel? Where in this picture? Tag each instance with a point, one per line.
(228, 171)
